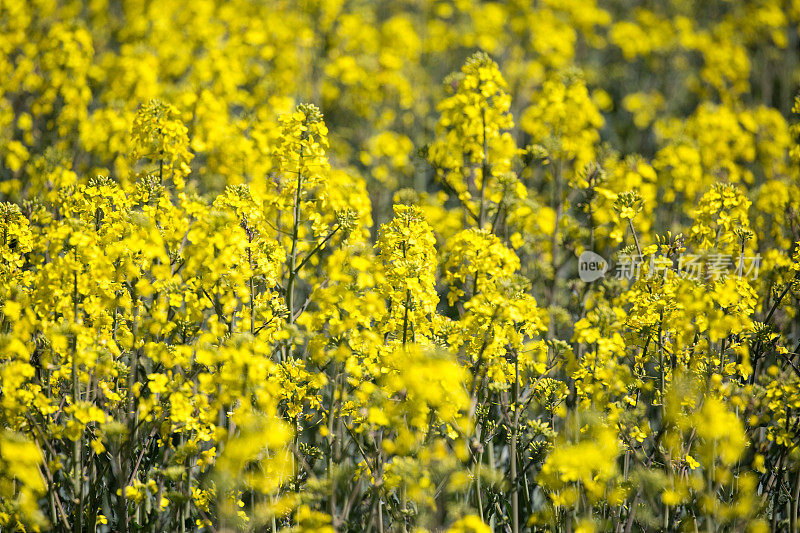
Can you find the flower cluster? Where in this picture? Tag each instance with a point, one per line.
(222, 309)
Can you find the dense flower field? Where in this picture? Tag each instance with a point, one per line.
(399, 265)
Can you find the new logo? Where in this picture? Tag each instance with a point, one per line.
(591, 266)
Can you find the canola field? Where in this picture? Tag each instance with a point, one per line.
(400, 266)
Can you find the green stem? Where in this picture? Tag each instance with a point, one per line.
(405, 316)
(484, 173)
(77, 471)
(513, 453)
(635, 237)
(295, 237)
